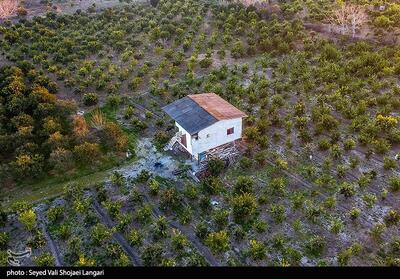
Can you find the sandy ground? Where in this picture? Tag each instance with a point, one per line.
(149, 156)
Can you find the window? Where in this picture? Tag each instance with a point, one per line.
(230, 131)
(196, 136)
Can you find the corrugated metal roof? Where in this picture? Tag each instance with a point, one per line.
(196, 112)
(187, 113)
(216, 106)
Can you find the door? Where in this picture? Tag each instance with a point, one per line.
(183, 140)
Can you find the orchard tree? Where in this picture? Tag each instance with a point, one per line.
(45, 259)
(218, 241)
(216, 165)
(87, 152)
(28, 218)
(244, 184)
(244, 206)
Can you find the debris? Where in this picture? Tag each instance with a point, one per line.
(214, 203)
(172, 141)
(193, 176)
(228, 152)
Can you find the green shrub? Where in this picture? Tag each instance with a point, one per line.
(160, 228)
(202, 230)
(179, 242)
(381, 146)
(161, 139)
(394, 183)
(212, 185)
(260, 226)
(143, 214)
(244, 184)
(143, 176)
(349, 144)
(117, 179)
(257, 250)
(55, 214)
(315, 246)
(336, 225)
(154, 186)
(100, 234)
(324, 144)
(218, 241)
(3, 258)
(90, 99)
(45, 259)
(216, 165)
(278, 186)
(370, 200)
(129, 111)
(238, 50)
(28, 218)
(392, 218)
(220, 218)
(354, 213)
(113, 207)
(347, 189)
(3, 217)
(206, 62)
(170, 199)
(377, 231)
(37, 239)
(389, 163)
(135, 237)
(4, 238)
(244, 206)
(278, 212)
(152, 254)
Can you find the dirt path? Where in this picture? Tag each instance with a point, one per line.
(50, 242)
(201, 248)
(118, 237)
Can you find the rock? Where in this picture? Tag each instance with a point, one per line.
(305, 261)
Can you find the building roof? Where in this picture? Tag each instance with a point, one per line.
(197, 112)
(188, 114)
(216, 106)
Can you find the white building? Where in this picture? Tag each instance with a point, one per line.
(205, 121)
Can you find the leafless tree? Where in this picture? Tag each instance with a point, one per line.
(253, 2)
(349, 18)
(8, 8)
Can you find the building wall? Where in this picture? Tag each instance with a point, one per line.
(188, 138)
(213, 136)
